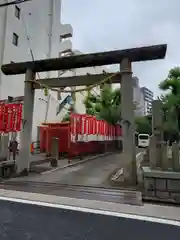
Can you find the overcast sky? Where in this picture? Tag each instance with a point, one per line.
(116, 24)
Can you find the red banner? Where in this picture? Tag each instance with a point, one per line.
(2, 112)
(10, 117)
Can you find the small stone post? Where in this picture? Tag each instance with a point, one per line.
(175, 157)
(5, 147)
(157, 124)
(165, 164)
(152, 152)
(55, 152)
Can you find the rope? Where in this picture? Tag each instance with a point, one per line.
(77, 90)
(13, 3)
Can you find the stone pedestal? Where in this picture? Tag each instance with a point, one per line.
(161, 185)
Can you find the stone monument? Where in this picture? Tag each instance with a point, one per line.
(162, 176)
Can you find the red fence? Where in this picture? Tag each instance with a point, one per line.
(83, 135)
(10, 117)
(89, 135)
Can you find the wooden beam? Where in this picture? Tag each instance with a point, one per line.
(82, 80)
(87, 60)
(15, 99)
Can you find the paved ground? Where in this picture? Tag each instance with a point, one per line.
(20, 221)
(39, 163)
(92, 173)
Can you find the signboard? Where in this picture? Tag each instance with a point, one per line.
(10, 117)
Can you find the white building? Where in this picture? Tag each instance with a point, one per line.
(35, 25)
(138, 98)
(23, 27)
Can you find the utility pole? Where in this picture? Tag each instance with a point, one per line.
(51, 8)
(73, 94)
(47, 107)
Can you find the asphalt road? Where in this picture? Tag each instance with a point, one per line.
(20, 221)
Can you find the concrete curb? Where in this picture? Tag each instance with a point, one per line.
(79, 162)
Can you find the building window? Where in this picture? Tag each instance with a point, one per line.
(17, 12)
(15, 39)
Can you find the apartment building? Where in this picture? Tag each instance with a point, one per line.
(148, 98)
(138, 98)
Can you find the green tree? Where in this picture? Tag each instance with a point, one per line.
(170, 123)
(66, 118)
(171, 100)
(143, 124)
(106, 105)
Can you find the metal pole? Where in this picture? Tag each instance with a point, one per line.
(51, 7)
(47, 108)
(73, 94)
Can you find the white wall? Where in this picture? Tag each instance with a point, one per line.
(36, 18)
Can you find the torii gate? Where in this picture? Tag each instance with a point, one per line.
(122, 57)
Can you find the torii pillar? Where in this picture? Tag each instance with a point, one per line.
(128, 126)
(26, 132)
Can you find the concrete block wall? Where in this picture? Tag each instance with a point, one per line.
(164, 189)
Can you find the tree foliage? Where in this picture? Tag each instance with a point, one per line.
(106, 105)
(144, 124)
(66, 118)
(171, 100)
